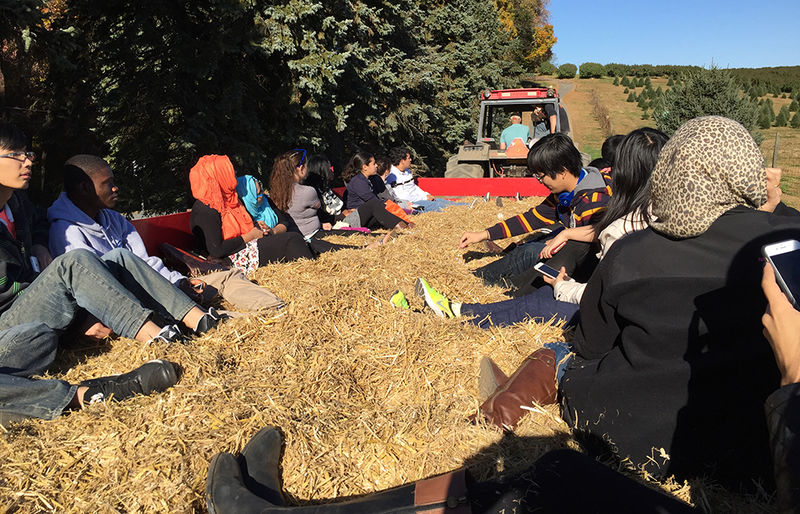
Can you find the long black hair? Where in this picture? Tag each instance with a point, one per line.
(636, 157)
(319, 171)
(356, 163)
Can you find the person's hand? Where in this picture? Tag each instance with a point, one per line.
(781, 328)
(473, 237)
(327, 226)
(431, 198)
(774, 191)
(263, 226)
(255, 233)
(562, 275)
(280, 228)
(42, 254)
(553, 245)
(94, 330)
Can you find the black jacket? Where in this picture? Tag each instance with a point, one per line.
(670, 353)
(16, 271)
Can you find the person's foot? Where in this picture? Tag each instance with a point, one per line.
(168, 334)
(152, 377)
(226, 490)
(209, 320)
(399, 300)
(261, 464)
(437, 302)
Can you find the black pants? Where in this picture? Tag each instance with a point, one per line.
(285, 247)
(374, 215)
(319, 245)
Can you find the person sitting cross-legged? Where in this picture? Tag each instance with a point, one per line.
(83, 216)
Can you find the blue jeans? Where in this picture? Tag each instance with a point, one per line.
(112, 288)
(516, 262)
(27, 350)
(119, 289)
(539, 304)
(435, 205)
(562, 350)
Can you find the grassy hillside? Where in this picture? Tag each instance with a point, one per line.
(626, 116)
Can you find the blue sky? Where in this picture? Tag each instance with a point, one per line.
(729, 34)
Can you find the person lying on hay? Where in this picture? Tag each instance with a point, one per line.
(36, 307)
(578, 198)
(83, 216)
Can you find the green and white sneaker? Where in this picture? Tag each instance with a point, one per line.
(398, 300)
(437, 302)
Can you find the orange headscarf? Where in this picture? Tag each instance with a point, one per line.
(214, 183)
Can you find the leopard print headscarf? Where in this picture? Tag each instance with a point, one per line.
(710, 165)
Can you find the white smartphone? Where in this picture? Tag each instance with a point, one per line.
(784, 257)
(544, 269)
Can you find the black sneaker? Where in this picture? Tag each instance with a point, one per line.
(168, 334)
(209, 320)
(152, 377)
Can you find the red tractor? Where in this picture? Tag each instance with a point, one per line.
(485, 158)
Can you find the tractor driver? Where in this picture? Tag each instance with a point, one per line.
(514, 131)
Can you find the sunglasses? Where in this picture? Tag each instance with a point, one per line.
(302, 156)
(20, 156)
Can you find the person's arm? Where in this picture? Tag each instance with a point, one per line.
(135, 244)
(554, 244)
(65, 236)
(782, 329)
(543, 215)
(773, 189)
(209, 222)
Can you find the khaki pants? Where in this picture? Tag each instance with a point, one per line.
(234, 286)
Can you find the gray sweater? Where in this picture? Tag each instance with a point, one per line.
(303, 209)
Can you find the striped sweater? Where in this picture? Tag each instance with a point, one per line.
(587, 207)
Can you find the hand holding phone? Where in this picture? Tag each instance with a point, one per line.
(546, 270)
(784, 257)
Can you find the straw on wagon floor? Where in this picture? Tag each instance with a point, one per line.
(367, 396)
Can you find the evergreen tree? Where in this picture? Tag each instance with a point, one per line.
(631, 97)
(546, 68)
(625, 91)
(705, 92)
(782, 119)
(763, 121)
(616, 81)
(670, 82)
(647, 81)
(795, 123)
(771, 109)
(794, 106)
(625, 81)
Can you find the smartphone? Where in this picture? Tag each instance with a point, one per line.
(785, 259)
(544, 269)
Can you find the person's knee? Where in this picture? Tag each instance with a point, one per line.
(118, 255)
(79, 255)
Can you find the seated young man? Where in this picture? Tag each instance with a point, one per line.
(35, 308)
(578, 197)
(83, 217)
(403, 186)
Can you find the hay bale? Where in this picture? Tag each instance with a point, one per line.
(368, 396)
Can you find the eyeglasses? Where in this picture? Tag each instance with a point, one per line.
(539, 177)
(20, 156)
(302, 156)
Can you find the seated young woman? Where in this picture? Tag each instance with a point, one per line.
(320, 177)
(369, 210)
(300, 202)
(628, 211)
(223, 227)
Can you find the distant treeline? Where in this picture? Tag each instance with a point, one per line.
(776, 80)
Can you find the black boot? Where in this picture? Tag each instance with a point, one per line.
(225, 489)
(261, 465)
